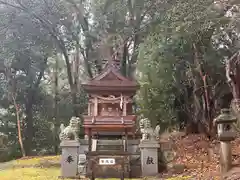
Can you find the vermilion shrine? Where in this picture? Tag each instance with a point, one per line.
(110, 107)
(109, 149)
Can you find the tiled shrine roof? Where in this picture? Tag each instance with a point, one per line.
(110, 77)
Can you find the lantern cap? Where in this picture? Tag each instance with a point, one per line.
(225, 117)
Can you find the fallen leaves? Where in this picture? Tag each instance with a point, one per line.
(196, 158)
(200, 156)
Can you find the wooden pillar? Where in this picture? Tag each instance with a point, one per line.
(133, 134)
(95, 112)
(124, 106)
(126, 140)
(89, 139)
(89, 109)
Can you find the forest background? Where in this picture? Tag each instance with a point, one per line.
(177, 50)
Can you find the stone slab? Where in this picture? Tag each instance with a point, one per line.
(69, 158)
(149, 144)
(69, 143)
(149, 157)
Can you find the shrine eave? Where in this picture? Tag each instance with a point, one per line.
(112, 120)
(112, 83)
(108, 127)
(110, 87)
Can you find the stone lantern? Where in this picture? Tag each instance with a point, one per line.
(226, 134)
(224, 124)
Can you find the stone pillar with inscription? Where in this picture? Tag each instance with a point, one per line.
(149, 157)
(69, 159)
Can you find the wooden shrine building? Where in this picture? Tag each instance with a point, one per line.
(110, 107)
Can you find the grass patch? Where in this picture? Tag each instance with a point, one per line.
(36, 161)
(30, 174)
(40, 168)
(35, 168)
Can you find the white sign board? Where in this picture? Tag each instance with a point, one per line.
(106, 161)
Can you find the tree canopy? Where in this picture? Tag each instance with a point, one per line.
(176, 50)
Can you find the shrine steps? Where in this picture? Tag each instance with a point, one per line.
(108, 145)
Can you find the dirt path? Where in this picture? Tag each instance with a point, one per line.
(5, 165)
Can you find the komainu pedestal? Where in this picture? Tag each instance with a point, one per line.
(69, 159)
(149, 157)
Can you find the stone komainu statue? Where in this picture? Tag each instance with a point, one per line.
(70, 132)
(148, 133)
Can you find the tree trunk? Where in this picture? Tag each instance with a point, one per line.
(29, 133)
(30, 101)
(19, 127)
(205, 108)
(233, 75)
(196, 110)
(207, 103)
(235, 83)
(55, 108)
(10, 75)
(73, 87)
(76, 80)
(124, 61)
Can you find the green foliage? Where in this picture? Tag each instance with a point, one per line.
(156, 77)
(188, 41)
(68, 41)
